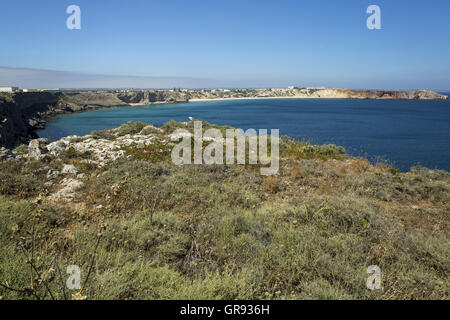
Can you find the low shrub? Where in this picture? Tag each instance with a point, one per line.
(103, 134)
(15, 182)
(21, 150)
(131, 127)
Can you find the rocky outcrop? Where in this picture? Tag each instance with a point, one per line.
(382, 94)
(14, 125)
(70, 187)
(69, 169)
(37, 148)
(65, 180)
(149, 97)
(100, 151)
(21, 114)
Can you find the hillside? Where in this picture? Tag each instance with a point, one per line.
(139, 227)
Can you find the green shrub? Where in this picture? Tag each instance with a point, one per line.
(15, 183)
(21, 150)
(103, 134)
(131, 127)
(155, 152)
(148, 130)
(76, 139)
(170, 126)
(71, 153)
(302, 150)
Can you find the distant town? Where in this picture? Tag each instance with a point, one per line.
(13, 89)
(17, 89)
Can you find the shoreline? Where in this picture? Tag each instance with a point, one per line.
(253, 98)
(372, 159)
(26, 113)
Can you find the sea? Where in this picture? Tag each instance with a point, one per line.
(403, 133)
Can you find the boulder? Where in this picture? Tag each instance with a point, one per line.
(55, 148)
(37, 148)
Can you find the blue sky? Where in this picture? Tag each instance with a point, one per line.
(244, 43)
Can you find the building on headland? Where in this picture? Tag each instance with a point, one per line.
(291, 87)
(317, 88)
(9, 89)
(51, 90)
(17, 89)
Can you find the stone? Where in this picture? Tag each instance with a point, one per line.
(52, 174)
(37, 149)
(43, 141)
(80, 176)
(177, 136)
(69, 169)
(70, 186)
(55, 148)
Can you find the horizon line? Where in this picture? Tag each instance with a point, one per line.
(25, 76)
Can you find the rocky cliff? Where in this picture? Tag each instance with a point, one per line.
(314, 93)
(21, 114)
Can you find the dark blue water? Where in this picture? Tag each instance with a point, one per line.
(403, 132)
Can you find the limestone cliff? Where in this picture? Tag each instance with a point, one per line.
(314, 93)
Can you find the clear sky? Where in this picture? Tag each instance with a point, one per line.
(247, 43)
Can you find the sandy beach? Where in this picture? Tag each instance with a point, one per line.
(250, 98)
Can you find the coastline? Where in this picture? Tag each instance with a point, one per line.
(252, 98)
(239, 114)
(25, 113)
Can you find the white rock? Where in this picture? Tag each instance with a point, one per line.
(55, 148)
(52, 174)
(36, 149)
(69, 169)
(179, 135)
(69, 189)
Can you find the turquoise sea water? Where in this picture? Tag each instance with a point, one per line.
(403, 132)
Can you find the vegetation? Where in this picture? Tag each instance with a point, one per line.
(131, 127)
(147, 229)
(21, 149)
(103, 134)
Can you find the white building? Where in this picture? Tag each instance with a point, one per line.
(8, 89)
(317, 88)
